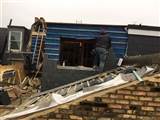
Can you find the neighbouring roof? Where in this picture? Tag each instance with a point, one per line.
(144, 27)
(14, 26)
(3, 40)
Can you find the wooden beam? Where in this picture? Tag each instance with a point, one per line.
(40, 33)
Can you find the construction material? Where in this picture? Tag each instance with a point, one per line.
(12, 74)
(47, 102)
(137, 76)
(8, 76)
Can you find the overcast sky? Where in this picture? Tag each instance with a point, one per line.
(121, 12)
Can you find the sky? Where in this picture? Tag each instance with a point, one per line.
(118, 12)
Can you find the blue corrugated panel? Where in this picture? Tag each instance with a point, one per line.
(55, 31)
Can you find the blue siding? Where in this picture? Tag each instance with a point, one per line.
(117, 34)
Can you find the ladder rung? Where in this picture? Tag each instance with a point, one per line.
(37, 47)
(75, 86)
(57, 91)
(101, 79)
(69, 89)
(79, 87)
(85, 84)
(88, 84)
(35, 55)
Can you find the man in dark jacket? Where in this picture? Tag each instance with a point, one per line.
(103, 44)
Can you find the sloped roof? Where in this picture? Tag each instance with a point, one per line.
(3, 40)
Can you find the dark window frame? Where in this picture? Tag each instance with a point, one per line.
(83, 51)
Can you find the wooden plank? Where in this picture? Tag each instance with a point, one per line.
(39, 34)
(7, 107)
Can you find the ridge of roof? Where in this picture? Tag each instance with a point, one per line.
(85, 24)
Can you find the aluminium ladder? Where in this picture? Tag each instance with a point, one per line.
(37, 53)
(84, 83)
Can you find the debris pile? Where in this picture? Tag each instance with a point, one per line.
(19, 92)
(46, 102)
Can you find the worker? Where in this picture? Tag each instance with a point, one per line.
(103, 44)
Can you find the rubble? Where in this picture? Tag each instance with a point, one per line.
(44, 103)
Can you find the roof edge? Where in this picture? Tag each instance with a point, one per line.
(144, 27)
(86, 24)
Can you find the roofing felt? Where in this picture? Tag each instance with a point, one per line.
(45, 102)
(3, 40)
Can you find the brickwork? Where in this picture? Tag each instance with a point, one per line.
(137, 102)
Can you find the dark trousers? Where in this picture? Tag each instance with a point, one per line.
(100, 55)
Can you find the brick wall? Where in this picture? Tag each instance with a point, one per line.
(137, 102)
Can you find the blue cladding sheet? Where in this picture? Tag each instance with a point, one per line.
(53, 57)
(55, 31)
(52, 51)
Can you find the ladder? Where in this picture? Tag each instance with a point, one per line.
(38, 66)
(37, 53)
(84, 83)
(88, 82)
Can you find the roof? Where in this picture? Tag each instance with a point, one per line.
(51, 100)
(144, 27)
(3, 40)
(13, 26)
(84, 24)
